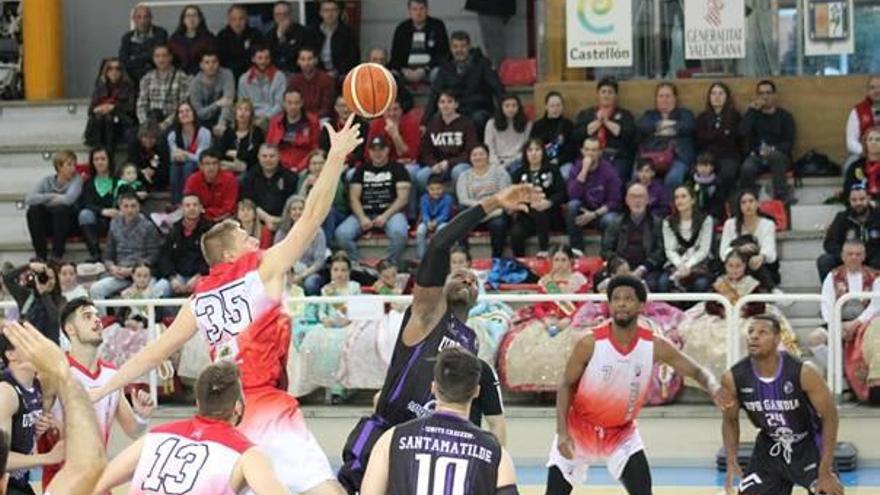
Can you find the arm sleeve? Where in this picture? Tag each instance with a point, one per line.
(853, 139)
(614, 193)
(38, 194)
(427, 150)
(143, 105)
(873, 308)
(434, 267)
(489, 134)
(609, 240)
(445, 209)
(490, 392)
(647, 124)
(462, 192)
(424, 209)
(276, 95)
(685, 125)
(828, 298)
(704, 244)
(670, 245)
(10, 280)
(229, 92)
(767, 237)
(71, 195)
(727, 236)
(833, 236)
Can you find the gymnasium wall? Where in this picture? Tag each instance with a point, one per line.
(820, 105)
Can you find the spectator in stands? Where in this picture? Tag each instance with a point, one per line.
(217, 189)
(235, 41)
(379, 193)
(860, 221)
(241, 142)
(136, 49)
(338, 116)
(286, 37)
(687, 240)
(718, 134)
(404, 95)
(98, 201)
(709, 193)
(556, 132)
(435, 210)
(38, 296)
(613, 126)
(637, 237)
(658, 199)
(478, 182)
(318, 89)
(161, 91)
(752, 233)
(149, 152)
(852, 276)
(132, 239)
(307, 271)
(446, 142)
(68, 282)
(863, 116)
(339, 211)
(212, 93)
(294, 132)
(191, 40)
(129, 180)
(769, 133)
(52, 206)
(594, 192)
(470, 75)
(338, 47)
(181, 261)
(186, 142)
(420, 44)
(506, 133)
(669, 127)
(865, 171)
(402, 131)
(111, 112)
(263, 85)
(268, 186)
(545, 214)
(247, 216)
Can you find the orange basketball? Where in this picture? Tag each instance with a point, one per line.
(369, 90)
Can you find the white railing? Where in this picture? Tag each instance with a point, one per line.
(835, 335)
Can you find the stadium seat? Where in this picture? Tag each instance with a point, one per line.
(529, 109)
(84, 170)
(589, 265)
(518, 71)
(776, 209)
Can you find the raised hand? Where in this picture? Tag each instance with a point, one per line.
(142, 403)
(345, 140)
(48, 359)
(519, 197)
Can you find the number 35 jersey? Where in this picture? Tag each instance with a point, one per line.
(190, 457)
(242, 322)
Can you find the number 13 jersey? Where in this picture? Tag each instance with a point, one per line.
(190, 457)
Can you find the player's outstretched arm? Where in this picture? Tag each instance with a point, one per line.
(574, 369)
(506, 484)
(152, 356)
(665, 351)
(121, 469)
(376, 477)
(730, 435)
(279, 259)
(428, 301)
(820, 396)
(84, 459)
(259, 475)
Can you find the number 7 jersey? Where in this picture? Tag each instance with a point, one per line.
(190, 457)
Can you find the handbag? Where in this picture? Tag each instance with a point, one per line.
(660, 151)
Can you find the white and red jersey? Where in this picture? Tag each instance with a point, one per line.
(614, 385)
(191, 457)
(242, 322)
(105, 409)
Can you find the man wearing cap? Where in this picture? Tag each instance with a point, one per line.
(378, 195)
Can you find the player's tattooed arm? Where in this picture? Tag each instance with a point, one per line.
(376, 477)
(685, 365)
(730, 435)
(820, 396)
(574, 369)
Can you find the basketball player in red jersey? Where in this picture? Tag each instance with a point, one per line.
(239, 309)
(216, 458)
(604, 386)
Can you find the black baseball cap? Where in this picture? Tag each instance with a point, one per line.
(378, 142)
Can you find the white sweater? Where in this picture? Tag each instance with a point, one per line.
(696, 253)
(765, 232)
(505, 146)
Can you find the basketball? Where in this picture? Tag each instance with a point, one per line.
(369, 90)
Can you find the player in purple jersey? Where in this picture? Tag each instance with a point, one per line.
(794, 412)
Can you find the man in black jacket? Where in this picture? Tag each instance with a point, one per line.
(136, 50)
(470, 75)
(286, 37)
(637, 237)
(268, 186)
(420, 44)
(181, 260)
(234, 41)
(338, 48)
(859, 221)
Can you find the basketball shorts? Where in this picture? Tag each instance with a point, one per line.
(592, 444)
(775, 470)
(356, 452)
(274, 422)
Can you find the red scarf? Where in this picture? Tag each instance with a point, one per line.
(602, 134)
(865, 113)
(253, 73)
(872, 175)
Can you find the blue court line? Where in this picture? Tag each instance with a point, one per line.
(666, 476)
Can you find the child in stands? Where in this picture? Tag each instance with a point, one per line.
(710, 194)
(435, 210)
(130, 181)
(658, 198)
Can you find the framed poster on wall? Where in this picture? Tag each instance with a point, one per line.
(828, 27)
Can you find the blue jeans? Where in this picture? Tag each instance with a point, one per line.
(422, 238)
(412, 209)
(333, 219)
(576, 232)
(179, 173)
(676, 174)
(396, 228)
(452, 173)
(312, 284)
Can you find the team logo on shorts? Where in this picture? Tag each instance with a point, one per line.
(788, 387)
(749, 481)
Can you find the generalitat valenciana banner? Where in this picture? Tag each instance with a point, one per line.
(599, 33)
(714, 29)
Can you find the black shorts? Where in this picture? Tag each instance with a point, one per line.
(770, 472)
(356, 452)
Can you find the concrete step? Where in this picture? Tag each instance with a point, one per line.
(806, 217)
(799, 245)
(799, 273)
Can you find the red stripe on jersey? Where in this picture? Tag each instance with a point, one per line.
(82, 368)
(223, 273)
(199, 428)
(604, 332)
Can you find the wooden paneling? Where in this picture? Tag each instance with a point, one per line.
(554, 12)
(820, 105)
